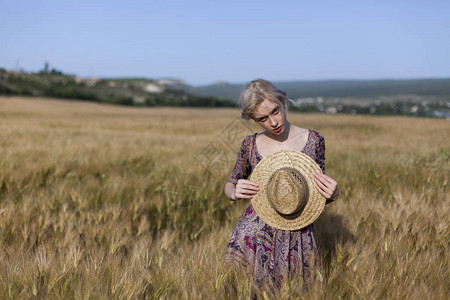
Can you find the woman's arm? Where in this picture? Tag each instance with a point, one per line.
(229, 190)
(326, 185)
(334, 197)
(236, 186)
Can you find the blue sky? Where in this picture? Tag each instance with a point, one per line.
(207, 41)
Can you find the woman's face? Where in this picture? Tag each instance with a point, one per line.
(271, 116)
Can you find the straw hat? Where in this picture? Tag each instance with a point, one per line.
(287, 198)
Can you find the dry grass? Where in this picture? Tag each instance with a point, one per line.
(90, 207)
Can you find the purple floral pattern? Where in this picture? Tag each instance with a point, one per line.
(271, 254)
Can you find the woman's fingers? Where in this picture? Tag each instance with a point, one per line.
(322, 189)
(325, 185)
(245, 189)
(325, 178)
(244, 194)
(320, 184)
(248, 182)
(249, 187)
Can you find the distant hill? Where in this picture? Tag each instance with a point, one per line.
(414, 97)
(124, 91)
(338, 88)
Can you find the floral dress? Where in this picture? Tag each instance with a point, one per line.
(271, 254)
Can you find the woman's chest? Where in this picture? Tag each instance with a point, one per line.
(265, 147)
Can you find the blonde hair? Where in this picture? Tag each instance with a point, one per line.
(256, 92)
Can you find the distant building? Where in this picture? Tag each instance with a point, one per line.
(331, 110)
(153, 88)
(92, 81)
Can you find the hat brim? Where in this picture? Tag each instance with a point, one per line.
(307, 167)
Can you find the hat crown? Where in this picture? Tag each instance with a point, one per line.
(287, 200)
(287, 191)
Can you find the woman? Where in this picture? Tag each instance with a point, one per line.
(268, 253)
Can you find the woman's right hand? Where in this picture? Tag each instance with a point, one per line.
(245, 189)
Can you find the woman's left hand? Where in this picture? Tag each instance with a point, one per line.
(327, 186)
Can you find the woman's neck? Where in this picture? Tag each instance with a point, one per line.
(284, 135)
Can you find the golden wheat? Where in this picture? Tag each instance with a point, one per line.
(102, 202)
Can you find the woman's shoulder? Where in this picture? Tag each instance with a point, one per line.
(249, 138)
(315, 135)
(248, 141)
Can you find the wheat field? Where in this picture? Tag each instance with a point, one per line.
(109, 202)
